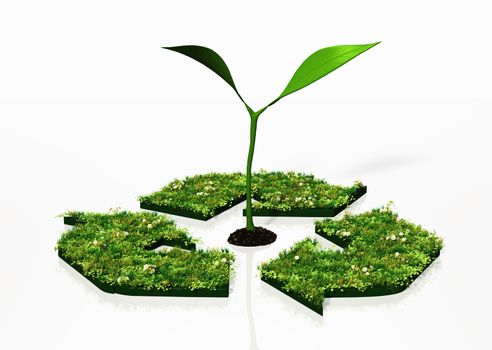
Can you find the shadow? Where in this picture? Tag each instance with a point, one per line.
(130, 302)
(290, 305)
(383, 164)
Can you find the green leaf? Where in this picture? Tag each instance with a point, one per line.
(208, 58)
(321, 63)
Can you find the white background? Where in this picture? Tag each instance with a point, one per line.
(94, 113)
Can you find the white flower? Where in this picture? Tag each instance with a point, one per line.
(122, 279)
(387, 237)
(392, 237)
(345, 233)
(296, 257)
(199, 194)
(210, 182)
(364, 269)
(367, 273)
(224, 260)
(149, 267)
(143, 220)
(403, 239)
(301, 184)
(298, 199)
(149, 225)
(397, 254)
(94, 242)
(353, 267)
(401, 234)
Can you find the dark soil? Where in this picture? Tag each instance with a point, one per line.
(259, 236)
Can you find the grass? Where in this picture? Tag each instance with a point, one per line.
(287, 191)
(202, 194)
(116, 249)
(284, 191)
(383, 255)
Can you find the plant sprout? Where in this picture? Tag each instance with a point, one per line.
(316, 66)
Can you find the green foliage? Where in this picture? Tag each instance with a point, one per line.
(291, 190)
(381, 251)
(316, 66)
(210, 59)
(114, 249)
(321, 63)
(202, 194)
(284, 191)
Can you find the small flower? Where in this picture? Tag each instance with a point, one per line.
(403, 239)
(122, 279)
(143, 220)
(367, 273)
(296, 257)
(397, 254)
(364, 269)
(224, 260)
(199, 194)
(301, 184)
(298, 199)
(94, 242)
(352, 267)
(401, 234)
(387, 237)
(392, 237)
(210, 182)
(149, 225)
(149, 267)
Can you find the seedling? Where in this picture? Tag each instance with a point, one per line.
(316, 66)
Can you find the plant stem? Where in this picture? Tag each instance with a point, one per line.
(252, 137)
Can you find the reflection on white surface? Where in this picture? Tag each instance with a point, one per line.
(129, 302)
